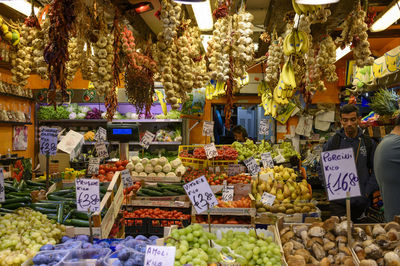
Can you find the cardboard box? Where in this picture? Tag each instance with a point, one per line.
(62, 158)
(71, 144)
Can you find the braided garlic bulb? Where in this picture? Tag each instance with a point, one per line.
(170, 17)
(326, 59)
(103, 59)
(218, 50)
(275, 57)
(75, 51)
(39, 43)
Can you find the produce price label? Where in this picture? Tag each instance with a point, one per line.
(234, 169)
(267, 160)
(340, 173)
(208, 128)
(211, 150)
(264, 127)
(147, 139)
(2, 190)
(87, 194)
(101, 135)
(227, 193)
(93, 168)
(101, 150)
(268, 199)
(126, 178)
(252, 166)
(200, 194)
(159, 256)
(48, 140)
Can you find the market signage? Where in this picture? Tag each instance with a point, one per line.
(227, 193)
(211, 150)
(48, 140)
(126, 178)
(101, 150)
(263, 127)
(252, 166)
(200, 194)
(147, 139)
(208, 128)
(87, 194)
(94, 165)
(268, 199)
(267, 160)
(159, 256)
(101, 135)
(340, 173)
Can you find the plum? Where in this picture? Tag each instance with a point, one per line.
(86, 245)
(141, 237)
(129, 262)
(104, 244)
(83, 238)
(117, 263)
(123, 254)
(64, 239)
(41, 259)
(129, 238)
(152, 238)
(47, 247)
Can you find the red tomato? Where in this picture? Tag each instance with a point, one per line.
(124, 163)
(102, 172)
(121, 168)
(118, 164)
(114, 169)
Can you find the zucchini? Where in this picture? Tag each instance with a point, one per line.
(69, 214)
(35, 184)
(13, 206)
(21, 185)
(23, 193)
(58, 198)
(152, 193)
(52, 216)
(103, 190)
(77, 222)
(10, 188)
(6, 210)
(170, 193)
(15, 183)
(60, 212)
(62, 192)
(45, 210)
(15, 200)
(45, 205)
(80, 215)
(176, 189)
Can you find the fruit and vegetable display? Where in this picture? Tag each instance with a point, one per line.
(224, 153)
(168, 136)
(377, 244)
(156, 214)
(217, 219)
(72, 174)
(244, 202)
(107, 171)
(155, 167)
(161, 190)
(215, 179)
(132, 189)
(319, 243)
(23, 232)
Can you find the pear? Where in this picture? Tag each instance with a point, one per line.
(293, 195)
(293, 176)
(291, 187)
(270, 180)
(258, 197)
(268, 188)
(281, 167)
(286, 191)
(307, 196)
(304, 189)
(291, 170)
(273, 191)
(286, 200)
(286, 175)
(279, 195)
(276, 169)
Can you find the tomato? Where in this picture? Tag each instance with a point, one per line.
(113, 169)
(101, 166)
(102, 172)
(118, 164)
(124, 163)
(121, 168)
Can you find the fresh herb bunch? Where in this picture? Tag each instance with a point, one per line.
(385, 102)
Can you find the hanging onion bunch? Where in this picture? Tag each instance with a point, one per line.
(39, 43)
(75, 50)
(355, 33)
(275, 58)
(139, 88)
(170, 18)
(326, 59)
(103, 58)
(243, 47)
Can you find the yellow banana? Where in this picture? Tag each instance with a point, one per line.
(296, 8)
(288, 44)
(162, 101)
(274, 109)
(303, 8)
(297, 41)
(304, 42)
(288, 76)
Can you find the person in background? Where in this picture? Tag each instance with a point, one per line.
(387, 169)
(363, 147)
(240, 133)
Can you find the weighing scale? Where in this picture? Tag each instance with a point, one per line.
(123, 133)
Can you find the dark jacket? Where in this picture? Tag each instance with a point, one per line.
(365, 169)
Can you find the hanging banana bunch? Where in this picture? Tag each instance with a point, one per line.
(296, 42)
(314, 13)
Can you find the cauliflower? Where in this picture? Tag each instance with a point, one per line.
(135, 159)
(167, 168)
(180, 171)
(171, 174)
(72, 116)
(158, 168)
(152, 175)
(148, 168)
(161, 174)
(162, 161)
(81, 115)
(176, 163)
(134, 174)
(139, 167)
(143, 174)
(130, 166)
(145, 161)
(154, 161)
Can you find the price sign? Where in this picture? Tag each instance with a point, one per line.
(200, 194)
(208, 128)
(268, 199)
(267, 160)
(101, 135)
(126, 178)
(263, 128)
(233, 169)
(93, 168)
(2, 189)
(101, 150)
(211, 150)
(147, 139)
(48, 140)
(87, 194)
(252, 166)
(159, 256)
(227, 193)
(340, 173)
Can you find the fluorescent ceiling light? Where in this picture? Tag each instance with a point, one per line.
(387, 17)
(342, 52)
(21, 6)
(202, 13)
(316, 2)
(204, 40)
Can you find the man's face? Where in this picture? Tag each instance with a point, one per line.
(238, 136)
(350, 124)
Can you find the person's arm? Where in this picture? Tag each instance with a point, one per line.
(372, 184)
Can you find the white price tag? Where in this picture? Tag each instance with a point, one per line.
(252, 166)
(208, 128)
(267, 160)
(94, 164)
(147, 139)
(101, 150)
(2, 189)
(340, 173)
(268, 199)
(101, 135)
(126, 178)
(200, 194)
(159, 256)
(48, 140)
(233, 169)
(87, 194)
(263, 128)
(227, 193)
(211, 150)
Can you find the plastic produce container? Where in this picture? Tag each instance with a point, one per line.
(48, 257)
(81, 257)
(108, 243)
(125, 256)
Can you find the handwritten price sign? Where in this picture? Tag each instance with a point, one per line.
(159, 256)
(2, 190)
(227, 193)
(87, 194)
(263, 127)
(101, 135)
(126, 178)
(200, 194)
(252, 166)
(267, 160)
(208, 128)
(211, 150)
(101, 150)
(48, 140)
(93, 168)
(340, 173)
(268, 199)
(147, 139)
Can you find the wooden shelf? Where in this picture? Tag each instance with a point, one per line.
(16, 96)
(15, 123)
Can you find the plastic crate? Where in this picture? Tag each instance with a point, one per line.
(151, 226)
(202, 163)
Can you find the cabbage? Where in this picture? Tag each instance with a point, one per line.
(161, 174)
(143, 174)
(154, 161)
(139, 167)
(180, 171)
(158, 168)
(176, 163)
(148, 168)
(152, 175)
(134, 174)
(167, 168)
(135, 159)
(171, 174)
(81, 116)
(145, 161)
(162, 161)
(72, 116)
(83, 109)
(130, 166)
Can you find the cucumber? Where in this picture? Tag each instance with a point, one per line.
(77, 222)
(15, 200)
(35, 184)
(6, 210)
(62, 192)
(13, 206)
(45, 210)
(24, 193)
(60, 212)
(10, 188)
(45, 205)
(80, 215)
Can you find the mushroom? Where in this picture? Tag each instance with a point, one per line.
(339, 258)
(359, 252)
(329, 224)
(382, 240)
(313, 260)
(325, 262)
(378, 230)
(333, 251)
(373, 251)
(316, 231)
(299, 228)
(288, 248)
(368, 230)
(304, 253)
(349, 262)
(341, 239)
(284, 231)
(391, 258)
(366, 243)
(296, 260)
(287, 236)
(329, 245)
(330, 236)
(392, 234)
(341, 229)
(319, 252)
(345, 250)
(392, 225)
(359, 234)
(296, 244)
(380, 262)
(304, 236)
(368, 263)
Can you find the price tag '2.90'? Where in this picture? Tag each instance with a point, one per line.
(87, 194)
(94, 164)
(2, 190)
(227, 193)
(101, 150)
(263, 128)
(200, 194)
(211, 150)
(126, 178)
(267, 160)
(340, 173)
(159, 256)
(48, 140)
(208, 128)
(252, 166)
(147, 139)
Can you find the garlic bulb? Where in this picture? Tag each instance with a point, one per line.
(103, 59)
(39, 43)
(275, 57)
(326, 59)
(170, 17)
(75, 51)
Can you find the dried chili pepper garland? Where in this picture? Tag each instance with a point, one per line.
(62, 18)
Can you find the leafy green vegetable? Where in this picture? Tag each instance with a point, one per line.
(50, 113)
(384, 102)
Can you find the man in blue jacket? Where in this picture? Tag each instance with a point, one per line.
(364, 148)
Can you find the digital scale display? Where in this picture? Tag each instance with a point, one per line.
(122, 131)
